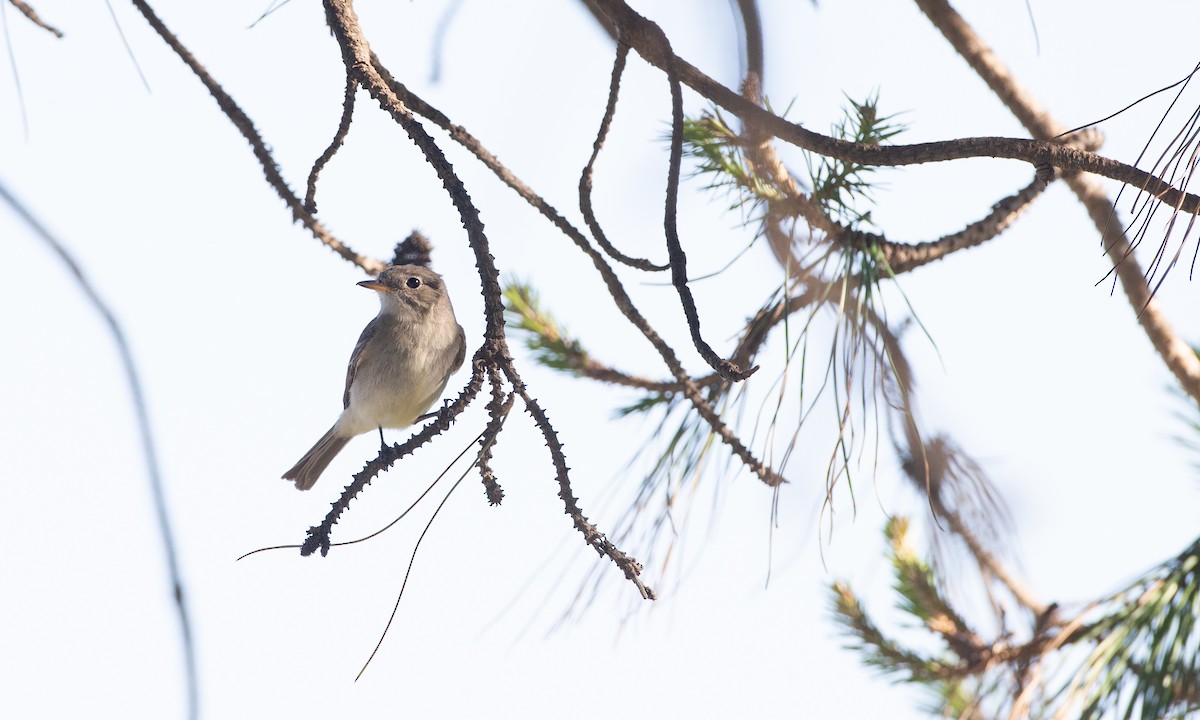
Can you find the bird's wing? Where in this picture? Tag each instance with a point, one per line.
(358, 357)
(460, 352)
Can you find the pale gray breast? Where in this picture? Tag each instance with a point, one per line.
(403, 366)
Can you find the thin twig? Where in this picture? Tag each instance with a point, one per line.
(678, 258)
(275, 5)
(408, 572)
(30, 13)
(16, 72)
(498, 409)
(339, 137)
(145, 434)
(246, 126)
(903, 257)
(439, 39)
(1178, 355)
(603, 546)
(125, 43)
(753, 31)
(594, 8)
(585, 181)
(932, 473)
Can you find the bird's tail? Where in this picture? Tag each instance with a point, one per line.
(314, 462)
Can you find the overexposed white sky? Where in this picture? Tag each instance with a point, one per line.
(241, 324)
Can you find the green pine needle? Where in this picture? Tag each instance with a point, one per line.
(1146, 659)
(549, 343)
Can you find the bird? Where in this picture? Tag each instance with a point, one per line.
(400, 365)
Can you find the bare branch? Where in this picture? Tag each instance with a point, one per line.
(149, 451)
(33, 17)
(498, 408)
(601, 19)
(752, 27)
(903, 257)
(246, 126)
(585, 181)
(646, 38)
(678, 258)
(339, 137)
(787, 200)
(1175, 352)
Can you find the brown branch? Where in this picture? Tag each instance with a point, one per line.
(935, 609)
(32, 15)
(593, 369)
(762, 158)
(498, 408)
(646, 38)
(987, 560)
(678, 258)
(246, 127)
(363, 67)
(1179, 357)
(902, 257)
(933, 469)
(794, 202)
(752, 27)
(851, 614)
(760, 152)
(757, 330)
(585, 181)
(339, 137)
(601, 19)
(603, 546)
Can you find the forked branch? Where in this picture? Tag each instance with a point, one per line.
(646, 38)
(1173, 349)
(246, 127)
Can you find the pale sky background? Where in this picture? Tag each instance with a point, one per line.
(242, 323)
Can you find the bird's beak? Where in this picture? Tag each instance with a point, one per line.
(373, 285)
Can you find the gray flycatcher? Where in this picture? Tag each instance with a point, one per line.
(399, 367)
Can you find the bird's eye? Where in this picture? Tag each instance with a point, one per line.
(413, 282)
